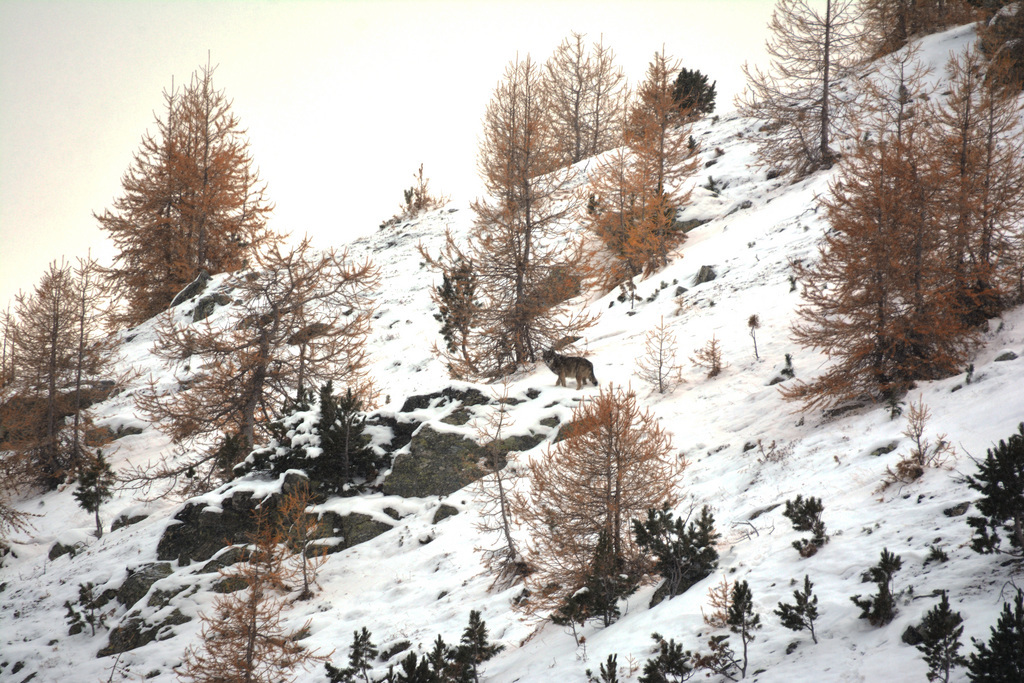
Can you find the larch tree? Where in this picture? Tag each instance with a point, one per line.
(879, 302)
(978, 126)
(301, 321)
(664, 157)
(504, 560)
(299, 530)
(8, 326)
(585, 92)
(889, 24)
(657, 366)
(797, 98)
(525, 262)
(244, 640)
(637, 190)
(62, 355)
(624, 243)
(191, 202)
(12, 520)
(615, 463)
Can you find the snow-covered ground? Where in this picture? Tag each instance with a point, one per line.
(404, 586)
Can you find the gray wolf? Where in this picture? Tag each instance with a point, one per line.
(570, 366)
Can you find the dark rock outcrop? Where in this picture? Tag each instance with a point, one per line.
(352, 529)
(705, 274)
(208, 304)
(467, 397)
(194, 288)
(438, 463)
(126, 520)
(134, 632)
(140, 580)
(202, 531)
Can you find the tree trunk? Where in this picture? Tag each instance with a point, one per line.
(824, 151)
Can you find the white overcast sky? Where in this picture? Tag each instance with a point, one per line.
(342, 100)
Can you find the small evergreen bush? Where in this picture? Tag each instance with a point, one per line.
(806, 516)
(684, 554)
(598, 598)
(608, 671)
(692, 94)
(88, 611)
(672, 665)
(1001, 660)
(95, 484)
(940, 632)
(1000, 480)
(322, 436)
(362, 652)
(880, 609)
(803, 612)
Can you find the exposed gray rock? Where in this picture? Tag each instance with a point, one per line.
(957, 510)
(134, 632)
(202, 531)
(59, 550)
(194, 288)
(888, 448)
(126, 520)
(353, 529)
(208, 304)
(225, 559)
(438, 463)
(705, 274)
(458, 417)
(1006, 355)
(467, 397)
(140, 580)
(912, 636)
(444, 512)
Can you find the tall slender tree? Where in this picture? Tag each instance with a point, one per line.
(797, 97)
(983, 203)
(62, 356)
(525, 262)
(664, 156)
(244, 640)
(585, 91)
(191, 201)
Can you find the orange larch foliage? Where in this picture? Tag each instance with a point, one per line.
(192, 202)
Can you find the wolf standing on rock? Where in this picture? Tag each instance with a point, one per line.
(573, 366)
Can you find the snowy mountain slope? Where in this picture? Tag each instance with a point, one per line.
(422, 579)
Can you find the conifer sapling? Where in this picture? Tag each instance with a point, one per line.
(474, 649)
(742, 618)
(608, 671)
(683, 554)
(880, 609)
(94, 487)
(754, 323)
(803, 612)
(1000, 480)
(940, 632)
(672, 665)
(806, 516)
(1001, 660)
(362, 652)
